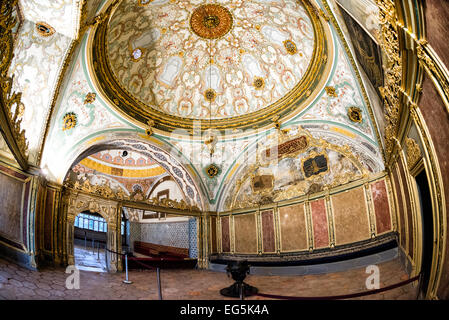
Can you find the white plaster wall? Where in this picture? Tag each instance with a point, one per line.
(174, 191)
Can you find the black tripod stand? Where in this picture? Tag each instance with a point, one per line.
(238, 270)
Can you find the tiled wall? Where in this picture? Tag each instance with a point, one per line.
(175, 234)
(193, 239)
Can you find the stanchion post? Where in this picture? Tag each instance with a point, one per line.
(98, 250)
(93, 246)
(159, 283)
(106, 257)
(126, 270)
(85, 241)
(241, 289)
(418, 287)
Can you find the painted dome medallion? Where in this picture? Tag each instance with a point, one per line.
(231, 63)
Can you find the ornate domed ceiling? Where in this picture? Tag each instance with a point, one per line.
(233, 64)
(128, 165)
(119, 169)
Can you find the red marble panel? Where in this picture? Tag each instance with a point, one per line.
(268, 231)
(437, 25)
(437, 119)
(225, 236)
(213, 232)
(320, 225)
(381, 206)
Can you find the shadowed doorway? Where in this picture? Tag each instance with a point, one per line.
(90, 237)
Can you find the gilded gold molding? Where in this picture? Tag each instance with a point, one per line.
(105, 191)
(12, 109)
(432, 66)
(393, 73)
(333, 20)
(413, 153)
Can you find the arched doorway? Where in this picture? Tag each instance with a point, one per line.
(107, 211)
(90, 238)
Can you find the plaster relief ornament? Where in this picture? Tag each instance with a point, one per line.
(212, 170)
(229, 63)
(331, 92)
(211, 21)
(44, 29)
(69, 121)
(413, 152)
(290, 46)
(90, 98)
(259, 83)
(355, 114)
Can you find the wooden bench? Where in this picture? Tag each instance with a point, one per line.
(161, 256)
(157, 250)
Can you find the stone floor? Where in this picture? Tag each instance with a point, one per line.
(90, 259)
(50, 283)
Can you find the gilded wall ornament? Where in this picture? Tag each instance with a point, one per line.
(149, 130)
(259, 83)
(331, 92)
(211, 21)
(413, 152)
(69, 121)
(44, 29)
(11, 107)
(105, 191)
(393, 73)
(290, 46)
(355, 114)
(212, 170)
(143, 3)
(90, 98)
(210, 95)
(210, 140)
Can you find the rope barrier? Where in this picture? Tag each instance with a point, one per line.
(346, 296)
(272, 296)
(132, 259)
(115, 252)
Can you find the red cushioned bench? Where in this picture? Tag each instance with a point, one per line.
(161, 256)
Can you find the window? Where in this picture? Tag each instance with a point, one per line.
(90, 222)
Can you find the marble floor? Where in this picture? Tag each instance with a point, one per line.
(89, 259)
(50, 283)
